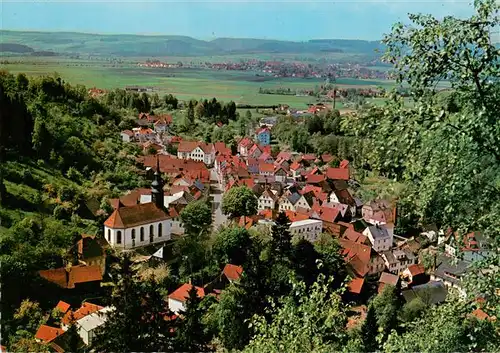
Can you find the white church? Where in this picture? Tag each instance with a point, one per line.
(141, 224)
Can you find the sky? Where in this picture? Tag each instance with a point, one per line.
(204, 19)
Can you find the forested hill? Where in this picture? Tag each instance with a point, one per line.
(143, 45)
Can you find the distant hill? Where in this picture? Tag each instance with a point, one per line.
(165, 45)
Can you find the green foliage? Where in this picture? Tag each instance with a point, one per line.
(369, 330)
(29, 316)
(281, 238)
(197, 217)
(231, 245)
(190, 335)
(386, 306)
(239, 201)
(305, 321)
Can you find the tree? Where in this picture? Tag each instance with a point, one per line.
(281, 238)
(72, 338)
(239, 201)
(231, 246)
(369, 330)
(293, 327)
(386, 306)
(304, 261)
(28, 316)
(199, 110)
(190, 113)
(197, 217)
(190, 336)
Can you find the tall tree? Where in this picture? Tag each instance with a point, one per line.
(190, 335)
(231, 246)
(239, 201)
(197, 217)
(281, 238)
(369, 330)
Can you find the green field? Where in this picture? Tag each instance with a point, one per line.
(240, 86)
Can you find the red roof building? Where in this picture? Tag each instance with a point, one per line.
(127, 217)
(182, 293)
(232, 272)
(337, 173)
(63, 306)
(356, 285)
(84, 310)
(69, 277)
(47, 334)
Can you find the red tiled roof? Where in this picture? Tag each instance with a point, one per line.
(357, 255)
(267, 213)
(75, 275)
(125, 217)
(416, 269)
(309, 157)
(480, 314)
(326, 157)
(328, 214)
(286, 156)
(48, 333)
(245, 142)
(63, 306)
(182, 293)
(314, 179)
(128, 132)
(253, 149)
(356, 285)
(354, 236)
(86, 309)
(3, 349)
(263, 129)
(344, 164)
(295, 217)
(266, 167)
(337, 173)
(232, 272)
(295, 166)
(221, 148)
(187, 146)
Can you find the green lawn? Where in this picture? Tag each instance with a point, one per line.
(239, 86)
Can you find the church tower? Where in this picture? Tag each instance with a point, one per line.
(157, 187)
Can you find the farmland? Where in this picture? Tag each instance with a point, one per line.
(240, 86)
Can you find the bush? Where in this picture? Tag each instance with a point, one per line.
(74, 175)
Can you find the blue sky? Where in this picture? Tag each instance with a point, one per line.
(204, 19)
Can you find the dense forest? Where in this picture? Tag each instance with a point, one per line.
(61, 159)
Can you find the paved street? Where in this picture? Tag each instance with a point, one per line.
(218, 218)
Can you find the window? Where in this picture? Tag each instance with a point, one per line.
(160, 230)
(142, 234)
(151, 233)
(109, 234)
(119, 237)
(133, 233)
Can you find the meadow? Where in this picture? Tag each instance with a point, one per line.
(241, 87)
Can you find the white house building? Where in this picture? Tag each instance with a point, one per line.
(197, 151)
(138, 225)
(127, 135)
(309, 229)
(88, 325)
(267, 200)
(177, 299)
(398, 260)
(292, 201)
(380, 237)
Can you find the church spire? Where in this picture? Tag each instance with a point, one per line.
(157, 186)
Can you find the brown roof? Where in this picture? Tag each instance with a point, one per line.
(354, 236)
(337, 173)
(356, 255)
(187, 146)
(232, 272)
(388, 278)
(266, 167)
(63, 306)
(48, 333)
(356, 285)
(126, 217)
(480, 314)
(67, 278)
(182, 293)
(416, 269)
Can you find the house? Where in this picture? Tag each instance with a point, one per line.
(309, 229)
(398, 260)
(264, 135)
(244, 146)
(177, 299)
(379, 212)
(296, 169)
(357, 257)
(379, 236)
(451, 272)
(143, 134)
(429, 293)
(343, 197)
(337, 173)
(280, 174)
(232, 272)
(355, 286)
(89, 324)
(138, 225)
(266, 169)
(255, 152)
(176, 221)
(266, 157)
(162, 123)
(415, 274)
(387, 278)
(267, 200)
(91, 251)
(473, 247)
(47, 334)
(290, 202)
(71, 277)
(197, 151)
(127, 135)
